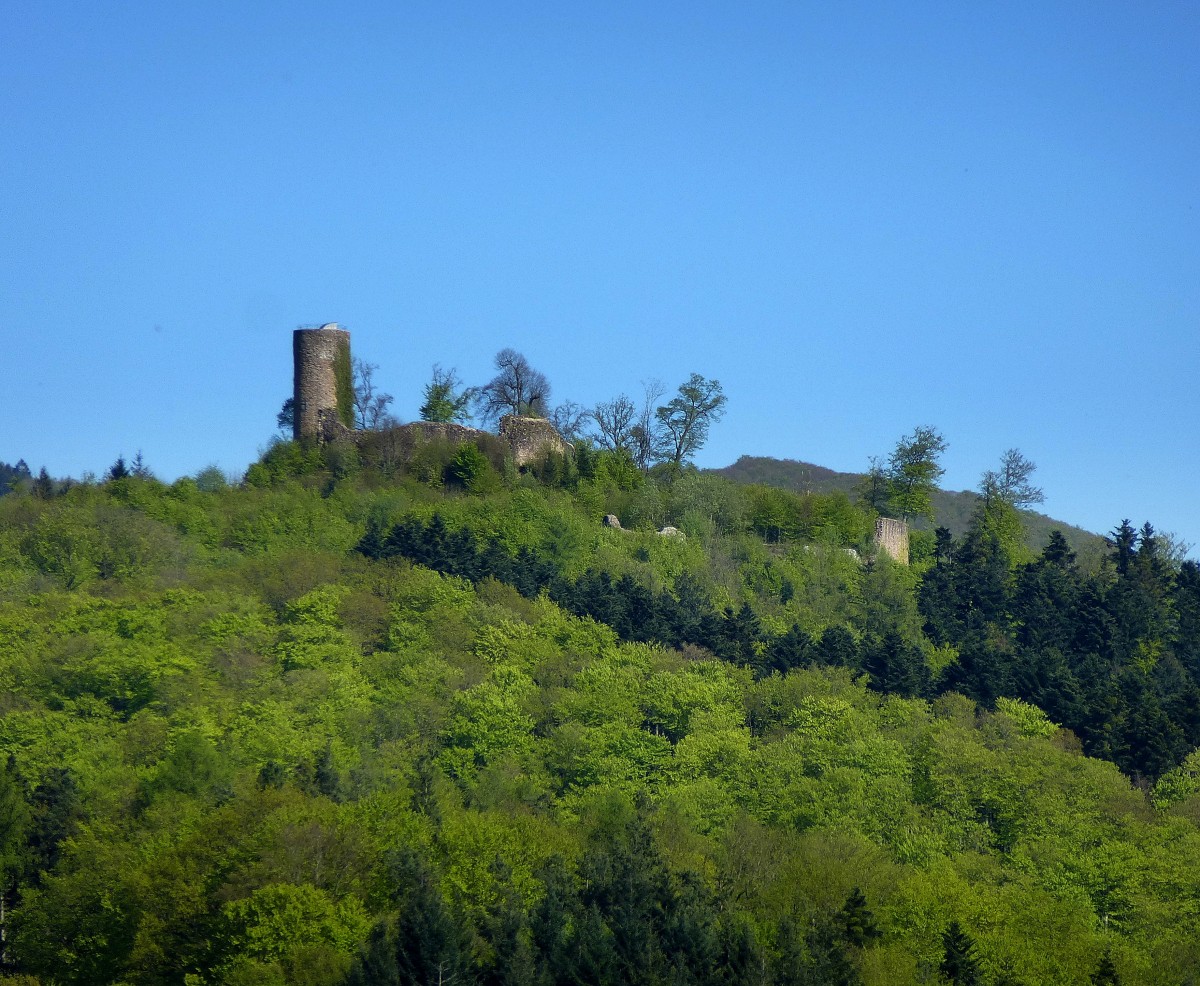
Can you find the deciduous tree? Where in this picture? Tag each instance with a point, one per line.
(517, 388)
(687, 417)
(370, 404)
(614, 422)
(1011, 482)
(874, 489)
(446, 399)
(569, 420)
(913, 472)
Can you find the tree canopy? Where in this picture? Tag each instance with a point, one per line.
(445, 399)
(419, 717)
(686, 418)
(517, 388)
(913, 471)
(370, 403)
(1012, 482)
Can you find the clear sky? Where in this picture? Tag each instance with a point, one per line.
(859, 217)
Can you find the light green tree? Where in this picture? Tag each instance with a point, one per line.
(446, 399)
(913, 472)
(1011, 482)
(685, 419)
(1005, 491)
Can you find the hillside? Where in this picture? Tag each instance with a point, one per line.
(953, 510)
(372, 718)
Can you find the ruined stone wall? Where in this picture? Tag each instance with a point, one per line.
(315, 354)
(531, 438)
(446, 431)
(892, 536)
(319, 354)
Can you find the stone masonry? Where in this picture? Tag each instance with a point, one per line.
(892, 536)
(314, 354)
(531, 438)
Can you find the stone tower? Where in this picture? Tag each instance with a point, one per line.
(323, 387)
(892, 536)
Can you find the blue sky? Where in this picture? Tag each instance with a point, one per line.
(859, 217)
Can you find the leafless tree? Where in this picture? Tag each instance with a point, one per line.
(569, 420)
(650, 443)
(517, 388)
(623, 426)
(614, 422)
(370, 405)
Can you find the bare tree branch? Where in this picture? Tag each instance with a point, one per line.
(516, 389)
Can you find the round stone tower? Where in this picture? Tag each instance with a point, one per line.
(323, 388)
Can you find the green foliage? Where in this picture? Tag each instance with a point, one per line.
(14, 477)
(341, 459)
(954, 511)
(284, 460)
(1011, 483)
(913, 471)
(959, 964)
(430, 462)
(293, 924)
(285, 420)
(14, 825)
(1179, 785)
(211, 479)
(445, 399)
(527, 748)
(1029, 719)
(777, 515)
(82, 542)
(471, 470)
(1000, 521)
(685, 420)
(343, 374)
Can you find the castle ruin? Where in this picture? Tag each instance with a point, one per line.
(323, 410)
(323, 403)
(891, 536)
(322, 381)
(531, 438)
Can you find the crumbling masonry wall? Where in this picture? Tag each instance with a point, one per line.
(531, 438)
(892, 536)
(323, 396)
(316, 355)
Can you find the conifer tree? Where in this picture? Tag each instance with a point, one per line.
(118, 470)
(446, 399)
(1106, 973)
(857, 922)
(828, 963)
(43, 486)
(431, 946)
(326, 778)
(959, 964)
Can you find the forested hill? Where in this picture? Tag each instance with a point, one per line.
(953, 510)
(406, 715)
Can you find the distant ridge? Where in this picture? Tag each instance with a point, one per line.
(952, 510)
